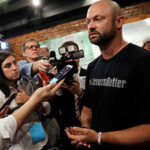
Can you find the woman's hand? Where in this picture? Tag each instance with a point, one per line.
(21, 97)
(3, 113)
(47, 92)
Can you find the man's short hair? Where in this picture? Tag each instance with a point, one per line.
(26, 41)
(45, 48)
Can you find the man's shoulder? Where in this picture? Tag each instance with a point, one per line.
(137, 49)
(22, 62)
(139, 52)
(135, 54)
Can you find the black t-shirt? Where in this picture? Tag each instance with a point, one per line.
(117, 90)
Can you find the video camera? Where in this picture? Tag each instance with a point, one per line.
(68, 57)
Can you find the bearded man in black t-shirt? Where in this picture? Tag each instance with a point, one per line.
(117, 94)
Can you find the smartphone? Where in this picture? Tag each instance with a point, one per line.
(60, 75)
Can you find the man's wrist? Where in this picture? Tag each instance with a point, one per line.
(99, 138)
(35, 67)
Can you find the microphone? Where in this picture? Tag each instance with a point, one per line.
(52, 54)
(52, 58)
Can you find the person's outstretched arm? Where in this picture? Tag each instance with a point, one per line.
(10, 124)
(41, 94)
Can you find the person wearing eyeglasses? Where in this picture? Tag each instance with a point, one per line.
(32, 64)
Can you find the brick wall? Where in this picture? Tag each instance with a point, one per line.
(132, 13)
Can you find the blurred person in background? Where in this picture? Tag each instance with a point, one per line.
(146, 45)
(45, 52)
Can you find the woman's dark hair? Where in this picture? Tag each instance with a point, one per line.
(3, 86)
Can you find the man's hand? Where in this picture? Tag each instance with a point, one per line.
(81, 136)
(41, 66)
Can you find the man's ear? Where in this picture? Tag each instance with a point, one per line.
(119, 22)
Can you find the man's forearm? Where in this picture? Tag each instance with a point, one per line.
(135, 136)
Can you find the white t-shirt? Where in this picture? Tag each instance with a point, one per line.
(8, 127)
(22, 139)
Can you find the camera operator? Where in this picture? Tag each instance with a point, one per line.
(78, 83)
(64, 103)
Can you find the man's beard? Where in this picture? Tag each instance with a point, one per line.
(101, 40)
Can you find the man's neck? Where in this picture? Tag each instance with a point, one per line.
(111, 49)
(32, 60)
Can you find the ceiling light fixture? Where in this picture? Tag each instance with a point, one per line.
(36, 3)
(4, 45)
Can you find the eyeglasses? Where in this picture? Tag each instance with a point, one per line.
(32, 46)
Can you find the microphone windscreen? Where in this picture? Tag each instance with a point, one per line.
(52, 54)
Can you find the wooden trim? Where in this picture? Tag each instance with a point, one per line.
(137, 18)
